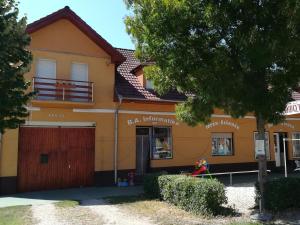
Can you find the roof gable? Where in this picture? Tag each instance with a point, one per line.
(68, 14)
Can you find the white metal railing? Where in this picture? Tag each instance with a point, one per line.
(230, 174)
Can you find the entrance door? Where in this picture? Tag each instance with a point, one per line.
(143, 140)
(279, 148)
(53, 158)
(79, 75)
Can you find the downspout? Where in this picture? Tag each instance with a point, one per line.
(116, 130)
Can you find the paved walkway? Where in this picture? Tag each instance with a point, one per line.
(47, 197)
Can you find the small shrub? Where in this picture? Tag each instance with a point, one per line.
(281, 194)
(198, 195)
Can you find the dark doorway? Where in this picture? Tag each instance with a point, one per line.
(143, 145)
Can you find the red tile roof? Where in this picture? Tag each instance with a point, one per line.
(296, 95)
(67, 13)
(129, 87)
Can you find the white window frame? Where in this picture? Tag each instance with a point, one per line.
(267, 145)
(44, 59)
(228, 135)
(294, 143)
(81, 63)
(149, 84)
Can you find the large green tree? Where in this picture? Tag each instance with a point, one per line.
(15, 60)
(242, 56)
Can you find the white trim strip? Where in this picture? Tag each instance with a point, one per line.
(94, 110)
(292, 119)
(30, 108)
(146, 113)
(60, 124)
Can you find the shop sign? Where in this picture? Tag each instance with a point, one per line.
(283, 124)
(292, 108)
(222, 123)
(152, 119)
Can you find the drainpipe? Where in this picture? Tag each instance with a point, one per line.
(116, 140)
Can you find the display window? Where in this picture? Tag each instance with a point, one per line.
(162, 143)
(222, 144)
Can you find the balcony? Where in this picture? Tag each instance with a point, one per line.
(61, 90)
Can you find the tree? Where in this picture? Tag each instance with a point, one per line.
(15, 60)
(242, 56)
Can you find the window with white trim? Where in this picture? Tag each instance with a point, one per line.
(162, 143)
(296, 144)
(267, 145)
(149, 84)
(222, 144)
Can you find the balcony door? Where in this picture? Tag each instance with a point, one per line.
(45, 79)
(79, 76)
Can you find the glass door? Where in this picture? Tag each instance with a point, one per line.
(277, 149)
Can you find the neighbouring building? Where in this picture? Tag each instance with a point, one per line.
(95, 118)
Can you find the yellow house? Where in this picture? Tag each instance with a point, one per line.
(95, 118)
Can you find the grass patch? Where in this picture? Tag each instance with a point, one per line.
(15, 215)
(163, 213)
(67, 204)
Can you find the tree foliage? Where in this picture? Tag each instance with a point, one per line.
(15, 60)
(240, 56)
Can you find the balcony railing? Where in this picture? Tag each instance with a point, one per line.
(63, 90)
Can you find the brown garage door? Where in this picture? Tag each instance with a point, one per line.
(51, 158)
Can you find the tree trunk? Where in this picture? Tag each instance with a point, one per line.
(262, 162)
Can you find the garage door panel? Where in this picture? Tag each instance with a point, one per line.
(69, 153)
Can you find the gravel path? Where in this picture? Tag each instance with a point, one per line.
(44, 214)
(241, 198)
(113, 215)
(77, 215)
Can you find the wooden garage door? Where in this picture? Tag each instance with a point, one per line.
(51, 158)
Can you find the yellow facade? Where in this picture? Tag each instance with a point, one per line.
(64, 43)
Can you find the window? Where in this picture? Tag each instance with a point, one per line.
(162, 143)
(79, 75)
(267, 147)
(149, 84)
(296, 144)
(222, 144)
(46, 68)
(45, 79)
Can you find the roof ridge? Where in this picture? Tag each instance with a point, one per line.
(127, 49)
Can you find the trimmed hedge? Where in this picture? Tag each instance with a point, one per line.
(281, 194)
(197, 195)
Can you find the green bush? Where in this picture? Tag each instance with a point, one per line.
(197, 195)
(151, 188)
(281, 194)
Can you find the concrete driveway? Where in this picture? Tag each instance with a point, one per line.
(45, 197)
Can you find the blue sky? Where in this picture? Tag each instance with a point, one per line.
(104, 16)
